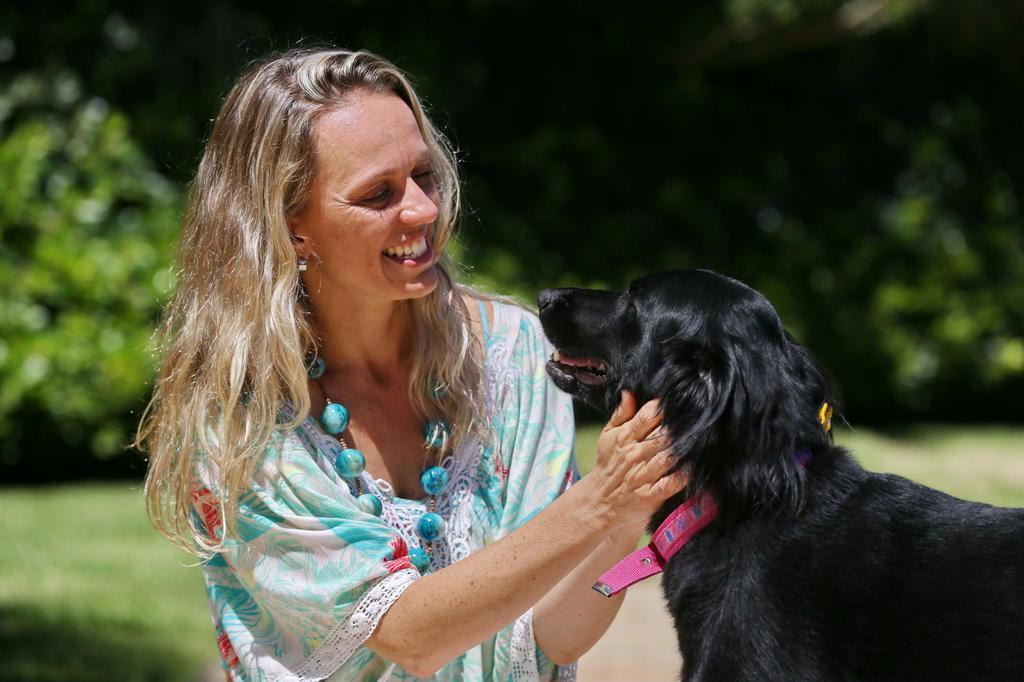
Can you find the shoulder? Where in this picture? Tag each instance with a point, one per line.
(498, 319)
(481, 313)
(505, 321)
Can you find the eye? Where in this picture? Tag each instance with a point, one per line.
(425, 179)
(378, 198)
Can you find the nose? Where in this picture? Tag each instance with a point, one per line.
(551, 298)
(417, 206)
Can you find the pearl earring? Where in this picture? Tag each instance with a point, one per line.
(302, 264)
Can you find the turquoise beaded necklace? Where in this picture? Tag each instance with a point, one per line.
(350, 464)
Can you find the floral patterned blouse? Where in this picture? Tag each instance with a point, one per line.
(296, 595)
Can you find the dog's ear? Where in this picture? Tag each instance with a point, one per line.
(697, 382)
(737, 411)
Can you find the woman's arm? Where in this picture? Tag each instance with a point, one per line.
(572, 617)
(445, 613)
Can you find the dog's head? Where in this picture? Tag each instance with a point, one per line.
(739, 396)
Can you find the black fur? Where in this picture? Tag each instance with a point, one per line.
(824, 573)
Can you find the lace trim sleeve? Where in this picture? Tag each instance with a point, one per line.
(350, 634)
(567, 673)
(524, 654)
(524, 650)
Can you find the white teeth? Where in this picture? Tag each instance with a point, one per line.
(413, 250)
(556, 356)
(601, 367)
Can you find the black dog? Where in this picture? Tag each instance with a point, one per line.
(827, 572)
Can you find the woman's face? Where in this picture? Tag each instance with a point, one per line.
(367, 227)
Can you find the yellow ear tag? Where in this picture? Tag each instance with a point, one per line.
(825, 416)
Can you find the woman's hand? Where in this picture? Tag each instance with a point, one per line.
(633, 460)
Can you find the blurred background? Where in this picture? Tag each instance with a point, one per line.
(859, 161)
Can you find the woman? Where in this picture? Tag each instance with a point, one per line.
(369, 457)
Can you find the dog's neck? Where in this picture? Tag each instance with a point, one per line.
(677, 527)
(774, 486)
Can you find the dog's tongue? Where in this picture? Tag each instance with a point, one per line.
(590, 371)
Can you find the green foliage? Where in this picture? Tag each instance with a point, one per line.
(857, 160)
(86, 228)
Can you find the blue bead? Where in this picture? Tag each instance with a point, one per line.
(317, 369)
(430, 526)
(439, 391)
(334, 418)
(434, 480)
(436, 431)
(350, 463)
(420, 559)
(370, 504)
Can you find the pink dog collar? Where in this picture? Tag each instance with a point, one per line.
(687, 520)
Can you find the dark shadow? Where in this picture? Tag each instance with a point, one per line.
(587, 415)
(36, 646)
(37, 450)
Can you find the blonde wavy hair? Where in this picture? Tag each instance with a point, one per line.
(237, 331)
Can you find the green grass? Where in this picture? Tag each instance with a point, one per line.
(88, 591)
(977, 463)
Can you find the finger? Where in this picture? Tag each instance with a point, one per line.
(657, 466)
(624, 411)
(658, 439)
(669, 485)
(647, 449)
(646, 420)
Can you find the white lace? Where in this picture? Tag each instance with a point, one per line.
(350, 633)
(454, 505)
(524, 650)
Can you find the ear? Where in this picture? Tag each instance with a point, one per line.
(697, 385)
(737, 416)
(301, 240)
(302, 244)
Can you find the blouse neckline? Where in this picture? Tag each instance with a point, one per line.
(312, 425)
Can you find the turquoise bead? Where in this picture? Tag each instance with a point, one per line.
(334, 418)
(420, 559)
(436, 431)
(434, 480)
(370, 504)
(439, 391)
(317, 369)
(350, 463)
(430, 526)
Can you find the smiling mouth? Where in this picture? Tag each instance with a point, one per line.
(589, 371)
(413, 253)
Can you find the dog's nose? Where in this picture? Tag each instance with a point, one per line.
(548, 298)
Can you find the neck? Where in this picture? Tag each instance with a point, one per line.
(360, 336)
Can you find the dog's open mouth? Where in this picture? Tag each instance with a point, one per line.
(589, 371)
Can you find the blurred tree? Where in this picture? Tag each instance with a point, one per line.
(861, 161)
(86, 227)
